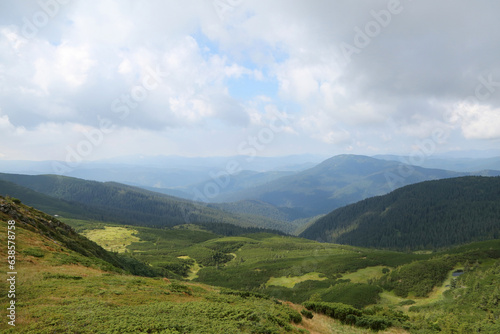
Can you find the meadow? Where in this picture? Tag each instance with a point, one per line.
(62, 291)
(302, 271)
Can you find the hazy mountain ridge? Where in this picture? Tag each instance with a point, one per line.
(338, 181)
(266, 199)
(114, 202)
(458, 164)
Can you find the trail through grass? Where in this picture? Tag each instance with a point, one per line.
(193, 271)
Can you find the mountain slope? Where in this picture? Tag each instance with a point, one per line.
(336, 182)
(430, 214)
(124, 204)
(44, 202)
(64, 284)
(63, 235)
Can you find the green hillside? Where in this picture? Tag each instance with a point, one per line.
(403, 289)
(258, 282)
(46, 203)
(426, 215)
(65, 284)
(114, 202)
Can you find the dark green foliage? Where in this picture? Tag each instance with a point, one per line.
(358, 295)
(244, 294)
(334, 310)
(178, 266)
(352, 316)
(213, 258)
(119, 203)
(179, 288)
(432, 214)
(306, 313)
(473, 306)
(36, 252)
(16, 200)
(373, 322)
(226, 246)
(234, 230)
(406, 302)
(61, 276)
(419, 277)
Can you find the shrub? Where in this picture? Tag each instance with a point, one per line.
(306, 313)
(334, 310)
(294, 316)
(179, 288)
(36, 252)
(16, 200)
(407, 302)
(351, 319)
(60, 276)
(373, 322)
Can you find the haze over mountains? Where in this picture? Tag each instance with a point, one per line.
(283, 199)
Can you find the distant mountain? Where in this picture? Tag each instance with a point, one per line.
(336, 182)
(114, 202)
(160, 171)
(222, 183)
(426, 215)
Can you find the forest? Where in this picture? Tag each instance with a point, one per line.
(427, 215)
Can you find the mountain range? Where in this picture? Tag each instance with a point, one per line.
(339, 181)
(280, 200)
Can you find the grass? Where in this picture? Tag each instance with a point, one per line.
(53, 297)
(285, 268)
(290, 281)
(115, 239)
(365, 274)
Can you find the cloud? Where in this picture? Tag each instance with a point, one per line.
(89, 61)
(478, 121)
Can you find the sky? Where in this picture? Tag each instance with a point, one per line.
(94, 79)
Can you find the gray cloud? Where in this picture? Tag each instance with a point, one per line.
(410, 65)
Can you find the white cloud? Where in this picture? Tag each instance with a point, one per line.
(478, 121)
(394, 91)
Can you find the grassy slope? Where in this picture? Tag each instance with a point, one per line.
(258, 259)
(61, 291)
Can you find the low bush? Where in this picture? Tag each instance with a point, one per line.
(306, 313)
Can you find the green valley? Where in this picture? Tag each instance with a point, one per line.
(380, 283)
(206, 275)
